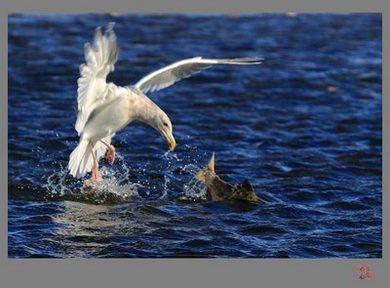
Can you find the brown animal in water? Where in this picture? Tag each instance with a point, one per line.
(218, 189)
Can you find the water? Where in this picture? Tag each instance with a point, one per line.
(304, 128)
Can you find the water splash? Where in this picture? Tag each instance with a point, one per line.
(167, 181)
(170, 155)
(108, 191)
(56, 184)
(114, 187)
(194, 189)
(191, 169)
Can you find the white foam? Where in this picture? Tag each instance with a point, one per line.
(114, 184)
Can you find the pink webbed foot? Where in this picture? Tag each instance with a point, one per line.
(111, 155)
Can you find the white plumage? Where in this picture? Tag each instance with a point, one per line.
(104, 108)
(173, 73)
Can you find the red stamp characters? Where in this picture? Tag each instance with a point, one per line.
(364, 272)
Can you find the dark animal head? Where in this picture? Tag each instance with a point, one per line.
(245, 191)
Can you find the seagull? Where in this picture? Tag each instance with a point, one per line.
(105, 108)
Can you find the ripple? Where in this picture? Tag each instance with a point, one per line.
(262, 229)
(353, 205)
(146, 210)
(307, 134)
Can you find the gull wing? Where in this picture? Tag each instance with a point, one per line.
(173, 73)
(92, 89)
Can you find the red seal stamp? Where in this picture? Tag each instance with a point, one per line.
(364, 272)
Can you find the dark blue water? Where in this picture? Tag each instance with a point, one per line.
(304, 128)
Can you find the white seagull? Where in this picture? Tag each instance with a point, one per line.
(105, 108)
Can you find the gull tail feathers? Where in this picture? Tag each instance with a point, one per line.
(81, 159)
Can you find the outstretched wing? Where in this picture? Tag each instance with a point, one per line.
(170, 74)
(92, 89)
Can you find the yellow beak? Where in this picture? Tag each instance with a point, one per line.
(171, 141)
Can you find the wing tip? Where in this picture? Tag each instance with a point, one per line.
(98, 32)
(249, 60)
(110, 26)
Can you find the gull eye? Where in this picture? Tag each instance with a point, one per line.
(165, 124)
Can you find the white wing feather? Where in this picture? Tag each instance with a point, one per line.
(92, 89)
(173, 73)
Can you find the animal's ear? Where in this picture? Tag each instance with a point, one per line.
(247, 186)
(211, 165)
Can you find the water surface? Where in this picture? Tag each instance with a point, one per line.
(304, 128)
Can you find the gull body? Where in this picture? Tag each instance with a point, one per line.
(105, 108)
(107, 119)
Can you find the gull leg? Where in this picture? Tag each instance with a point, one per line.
(111, 152)
(95, 177)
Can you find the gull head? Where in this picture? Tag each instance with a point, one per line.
(163, 124)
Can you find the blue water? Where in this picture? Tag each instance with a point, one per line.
(305, 128)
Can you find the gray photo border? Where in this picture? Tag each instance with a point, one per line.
(188, 272)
